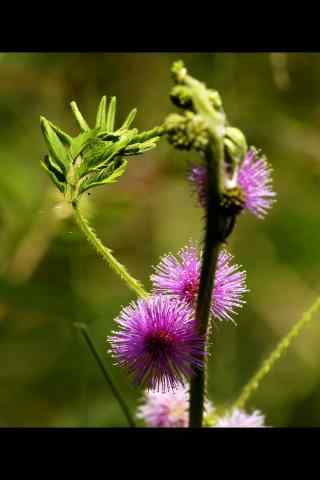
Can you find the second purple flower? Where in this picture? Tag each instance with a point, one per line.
(254, 179)
(179, 278)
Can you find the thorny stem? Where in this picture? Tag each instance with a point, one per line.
(106, 254)
(214, 156)
(212, 243)
(281, 348)
(106, 375)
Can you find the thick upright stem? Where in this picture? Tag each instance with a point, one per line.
(106, 254)
(212, 241)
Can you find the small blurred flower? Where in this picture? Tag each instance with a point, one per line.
(254, 180)
(167, 409)
(179, 278)
(241, 419)
(157, 342)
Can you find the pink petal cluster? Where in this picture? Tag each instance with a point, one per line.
(179, 278)
(167, 409)
(254, 179)
(157, 342)
(240, 419)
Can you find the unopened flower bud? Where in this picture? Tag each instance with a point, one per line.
(215, 99)
(179, 71)
(187, 131)
(181, 96)
(175, 126)
(198, 132)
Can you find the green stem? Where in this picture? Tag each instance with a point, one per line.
(106, 375)
(106, 254)
(209, 261)
(281, 348)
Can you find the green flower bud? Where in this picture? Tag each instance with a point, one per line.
(215, 99)
(179, 71)
(181, 97)
(187, 131)
(175, 127)
(197, 131)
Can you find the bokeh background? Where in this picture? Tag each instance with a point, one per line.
(50, 277)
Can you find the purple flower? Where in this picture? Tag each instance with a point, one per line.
(167, 409)
(241, 419)
(179, 278)
(198, 178)
(157, 342)
(254, 179)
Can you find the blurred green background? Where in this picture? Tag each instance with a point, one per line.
(50, 277)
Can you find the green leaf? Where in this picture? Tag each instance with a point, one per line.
(101, 113)
(104, 135)
(99, 154)
(95, 152)
(149, 134)
(128, 121)
(139, 148)
(110, 174)
(79, 118)
(56, 176)
(56, 148)
(111, 114)
(80, 142)
(64, 137)
(117, 172)
(119, 147)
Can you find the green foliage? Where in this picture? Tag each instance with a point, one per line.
(95, 156)
(110, 174)
(49, 378)
(56, 175)
(59, 155)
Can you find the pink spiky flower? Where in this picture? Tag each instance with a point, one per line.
(168, 409)
(240, 419)
(157, 342)
(179, 278)
(254, 179)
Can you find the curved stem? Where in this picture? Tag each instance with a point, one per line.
(212, 241)
(281, 348)
(106, 375)
(106, 254)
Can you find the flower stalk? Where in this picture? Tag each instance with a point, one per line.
(106, 254)
(277, 353)
(113, 388)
